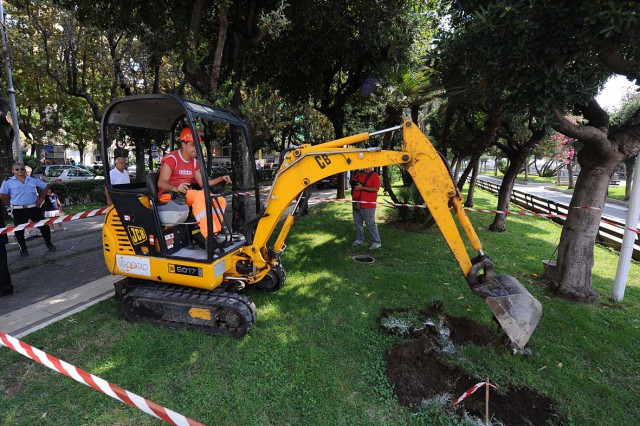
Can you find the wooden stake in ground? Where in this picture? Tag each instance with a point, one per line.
(486, 403)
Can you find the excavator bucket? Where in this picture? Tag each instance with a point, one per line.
(516, 310)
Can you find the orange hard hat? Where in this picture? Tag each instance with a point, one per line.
(187, 136)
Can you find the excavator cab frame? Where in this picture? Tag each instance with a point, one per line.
(200, 292)
(151, 124)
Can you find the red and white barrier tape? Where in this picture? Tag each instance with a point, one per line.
(96, 383)
(472, 390)
(66, 218)
(96, 212)
(505, 212)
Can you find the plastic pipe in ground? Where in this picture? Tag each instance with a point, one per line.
(628, 240)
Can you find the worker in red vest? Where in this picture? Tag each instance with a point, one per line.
(178, 170)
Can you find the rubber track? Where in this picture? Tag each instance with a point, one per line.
(198, 298)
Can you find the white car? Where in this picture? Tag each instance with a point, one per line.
(68, 173)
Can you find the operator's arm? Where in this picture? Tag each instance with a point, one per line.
(163, 181)
(212, 181)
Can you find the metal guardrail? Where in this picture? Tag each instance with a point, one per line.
(608, 234)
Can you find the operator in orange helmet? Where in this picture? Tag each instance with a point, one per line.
(178, 170)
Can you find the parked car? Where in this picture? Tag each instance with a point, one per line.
(330, 182)
(70, 173)
(41, 172)
(271, 166)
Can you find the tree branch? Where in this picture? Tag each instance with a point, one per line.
(589, 135)
(613, 60)
(597, 117)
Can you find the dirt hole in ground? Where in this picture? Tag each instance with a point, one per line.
(421, 378)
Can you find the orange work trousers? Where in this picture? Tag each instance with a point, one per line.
(196, 201)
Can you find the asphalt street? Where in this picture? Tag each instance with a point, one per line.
(613, 208)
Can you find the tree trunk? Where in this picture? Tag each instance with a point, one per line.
(393, 117)
(337, 120)
(472, 183)
(570, 173)
(415, 113)
(457, 161)
(575, 251)
(504, 194)
(629, 166)
(6, 142)
(465, 174)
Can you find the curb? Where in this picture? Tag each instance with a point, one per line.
(34, 317)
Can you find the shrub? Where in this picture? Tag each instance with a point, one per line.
(266, 175)
(81, 191)
(411, 195)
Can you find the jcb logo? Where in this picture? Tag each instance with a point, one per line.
(322, 160)
(137, 234)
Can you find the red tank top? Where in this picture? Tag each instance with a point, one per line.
(182, 171)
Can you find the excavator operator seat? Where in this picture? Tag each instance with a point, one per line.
(171, 213)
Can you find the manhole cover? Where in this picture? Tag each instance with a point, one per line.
(363, 259)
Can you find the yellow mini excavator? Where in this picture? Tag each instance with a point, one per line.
(178, 284)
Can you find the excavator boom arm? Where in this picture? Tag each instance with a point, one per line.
(308, 164)
(514, 308)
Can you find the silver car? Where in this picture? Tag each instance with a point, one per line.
(68, 173)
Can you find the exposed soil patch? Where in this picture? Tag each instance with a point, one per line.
(434, 321)
(418, 374)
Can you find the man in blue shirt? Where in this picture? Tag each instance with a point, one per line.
(21, 192)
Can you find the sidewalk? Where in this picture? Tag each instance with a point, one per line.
(52, 285)
(23, 321)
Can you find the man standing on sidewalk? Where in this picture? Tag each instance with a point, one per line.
(21, 191)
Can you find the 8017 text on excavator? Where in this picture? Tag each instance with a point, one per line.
(176, 284)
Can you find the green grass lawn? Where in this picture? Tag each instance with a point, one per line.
(315, 356)
(79, 208)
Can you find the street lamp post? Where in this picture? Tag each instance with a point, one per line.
(12, 92)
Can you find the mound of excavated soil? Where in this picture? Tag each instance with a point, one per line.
(417, 373)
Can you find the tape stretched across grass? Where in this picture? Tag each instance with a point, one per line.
(96, 383)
